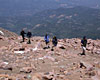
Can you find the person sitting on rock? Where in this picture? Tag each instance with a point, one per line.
(54, 42)
(46, 38)
(84, 43)
(29, 35)
(22, 33)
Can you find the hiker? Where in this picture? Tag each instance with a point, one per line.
(54, 42)
(46, 38)
(22, 33)
(29, 35)
(84, 43)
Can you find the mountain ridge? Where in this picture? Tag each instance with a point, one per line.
(62, 22)
(29, 7)
(78, 16)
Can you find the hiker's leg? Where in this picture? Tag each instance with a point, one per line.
(23, 38)
(53, 47)
(55, 44)
(29, 41)
(48, 45)
(83, 51)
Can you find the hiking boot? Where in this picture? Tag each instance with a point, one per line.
(83, 54)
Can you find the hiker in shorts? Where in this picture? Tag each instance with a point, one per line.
(46, 39)
(22, 33)
(83, 44)
(54, 42)
(29, 35)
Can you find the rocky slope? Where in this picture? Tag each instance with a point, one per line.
(22, 61)
(7, 33)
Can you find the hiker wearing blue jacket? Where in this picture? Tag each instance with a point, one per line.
(46, 38)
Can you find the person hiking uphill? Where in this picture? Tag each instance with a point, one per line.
(84, 43)
(46, 38)
(54, 42)
(22, 33)
(29, 35)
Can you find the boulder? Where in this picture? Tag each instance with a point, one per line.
(98, 51)
(22, 49)
(98, 72)
(37, 76)
(7, 77)
(62, 47)
(1, 33)
(89, 48)
(95, 78)
(26, 69)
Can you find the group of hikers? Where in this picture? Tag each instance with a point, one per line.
(29, 35)
(46, 39)
(54, 40)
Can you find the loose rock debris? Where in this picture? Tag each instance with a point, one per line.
(21, 61)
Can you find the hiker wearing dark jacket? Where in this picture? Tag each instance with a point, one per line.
(83, 44)
(54, 42)
(22, 33)
(29, 35)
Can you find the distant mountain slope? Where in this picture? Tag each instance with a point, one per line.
(63, 22)
(69, 22)
(25, 7)
(29, 7)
